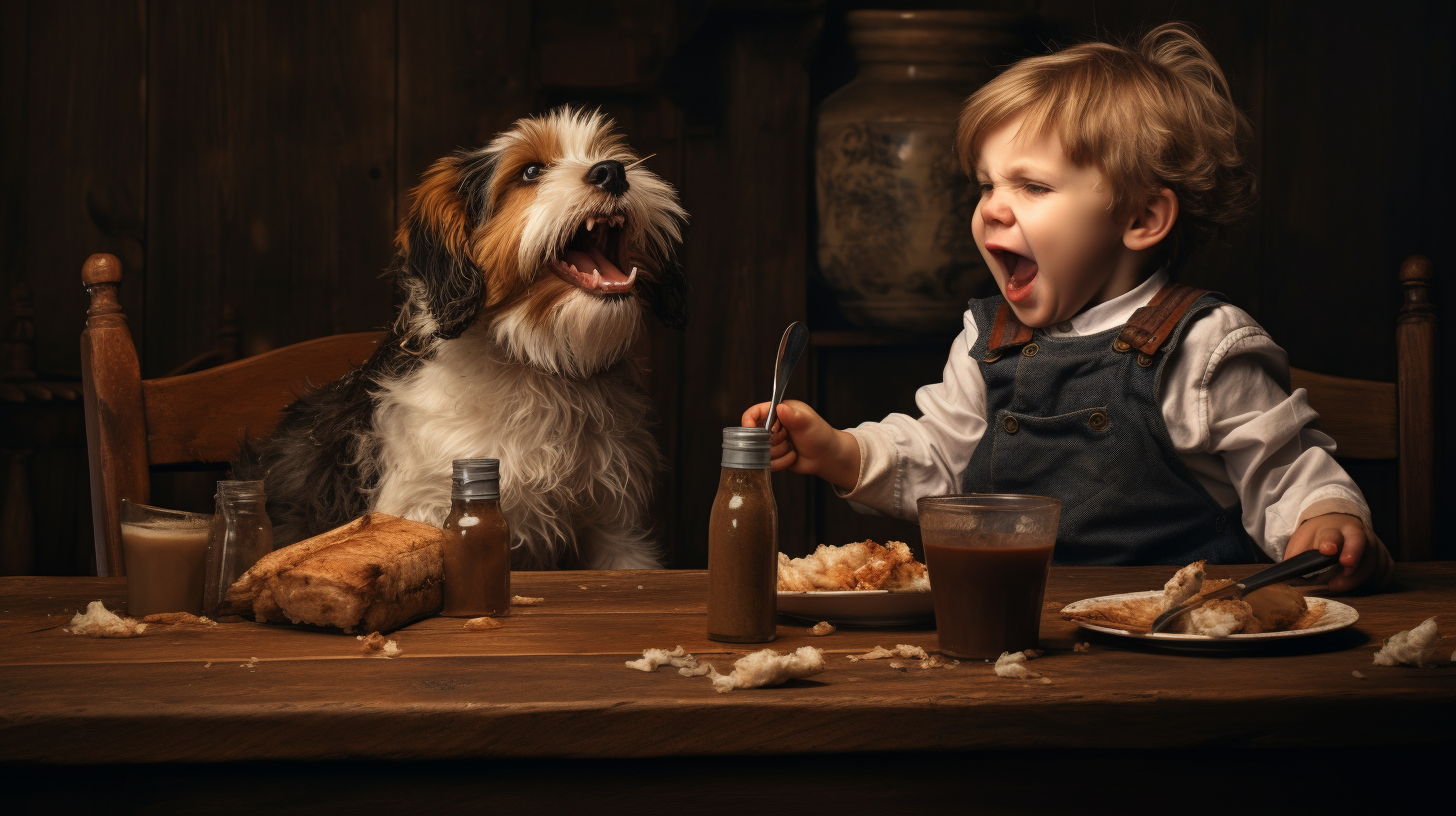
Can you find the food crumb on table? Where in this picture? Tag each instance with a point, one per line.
(377, 646)
(250, 665)
(482, 623)
(1081, 647)
(900, 650)
(1013, 665)
(98, 621)
(1358, 674)
(1412, 647)
(582, 586)
(522, 600)
(822, 628)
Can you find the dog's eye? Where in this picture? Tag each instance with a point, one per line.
(532, 172)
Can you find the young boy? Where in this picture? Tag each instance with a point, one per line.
(1158, 414)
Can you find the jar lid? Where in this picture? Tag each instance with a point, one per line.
(746, 448)
(476, 479)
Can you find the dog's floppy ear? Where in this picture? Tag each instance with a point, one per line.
(433, 243)
(668, 296)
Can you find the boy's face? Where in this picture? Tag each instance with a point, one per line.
(1046, 228)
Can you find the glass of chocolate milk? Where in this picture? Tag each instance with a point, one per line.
(988, 557)
(163, 551)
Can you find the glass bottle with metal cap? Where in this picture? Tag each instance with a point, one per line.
(477, 548)
(743, 542)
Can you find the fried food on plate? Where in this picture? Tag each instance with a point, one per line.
(859, 565)
(1275, 608)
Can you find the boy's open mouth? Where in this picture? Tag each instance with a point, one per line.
(1020, 273)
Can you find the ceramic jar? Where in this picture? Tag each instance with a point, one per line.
(894, 207)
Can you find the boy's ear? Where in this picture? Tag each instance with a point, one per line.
(1152, 222)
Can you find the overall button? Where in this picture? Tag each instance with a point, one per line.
(991, 358)
(1010, 424)
(1098, 421)
(1030, 349)
(1218, 524)
(1121, 345)
(1144, 360)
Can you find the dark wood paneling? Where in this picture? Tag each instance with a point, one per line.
(747, 252)
(271, 173)
(79, 170)
(465, 73)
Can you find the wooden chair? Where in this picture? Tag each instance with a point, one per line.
(199, 418)
(1383, 420)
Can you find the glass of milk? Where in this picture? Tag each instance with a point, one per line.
(163, 552)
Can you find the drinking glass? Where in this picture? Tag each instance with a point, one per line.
(163, 552)
(988, 556)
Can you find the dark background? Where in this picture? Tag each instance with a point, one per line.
(258, 155)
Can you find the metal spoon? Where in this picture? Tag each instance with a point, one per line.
(791, 347)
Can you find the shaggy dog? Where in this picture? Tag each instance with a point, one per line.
(526, 268)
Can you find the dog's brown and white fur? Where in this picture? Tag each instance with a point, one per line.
(527, 267)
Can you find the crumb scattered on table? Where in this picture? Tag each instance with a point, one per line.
(822, 628)
(522, 600)
(1358, 674)
(1013, 665)
(652, 658)
(1081, 647)
(100, 622)
(179, 619)
(375, 645)
(483, 623)
(1413, 647)
(251, 664)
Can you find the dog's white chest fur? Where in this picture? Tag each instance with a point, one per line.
(576, 460)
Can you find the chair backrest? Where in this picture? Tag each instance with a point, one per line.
(1382, 420)
(132, 424)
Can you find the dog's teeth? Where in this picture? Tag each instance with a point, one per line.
(632, 277)
(596, 279)
(590, 224)
(574, 269)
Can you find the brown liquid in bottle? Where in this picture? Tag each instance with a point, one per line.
(477, 554)
(743, 533)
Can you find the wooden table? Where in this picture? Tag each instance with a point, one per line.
(550, 685)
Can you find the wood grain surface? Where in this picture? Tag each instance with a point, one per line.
(551, 683)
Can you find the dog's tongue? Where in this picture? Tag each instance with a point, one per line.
(585, 262)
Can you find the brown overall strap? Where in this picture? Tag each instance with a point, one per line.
(1151, 325)
(1006, 331)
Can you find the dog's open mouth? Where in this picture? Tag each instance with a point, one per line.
(592, 259)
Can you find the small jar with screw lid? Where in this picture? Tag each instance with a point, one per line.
(477, 548)
(743, 543)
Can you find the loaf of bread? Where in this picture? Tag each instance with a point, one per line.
(376, 573)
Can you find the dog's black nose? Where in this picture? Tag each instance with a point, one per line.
(609, 175)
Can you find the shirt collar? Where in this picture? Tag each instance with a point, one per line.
(1116, 312)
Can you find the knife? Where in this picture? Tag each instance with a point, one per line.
(1303, 564)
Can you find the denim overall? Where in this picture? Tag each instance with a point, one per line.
(1078, 419)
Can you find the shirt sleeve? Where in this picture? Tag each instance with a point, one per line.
(1228, 395)
(903, 458)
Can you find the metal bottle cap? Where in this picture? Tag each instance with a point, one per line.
(745, 448)
(476, 479)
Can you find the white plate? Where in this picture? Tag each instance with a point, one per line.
(867, 607)
(1336, 616)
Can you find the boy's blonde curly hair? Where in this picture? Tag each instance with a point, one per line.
(1151, 117)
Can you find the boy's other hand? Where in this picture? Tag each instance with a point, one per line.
(805, 443)
(1336, 533)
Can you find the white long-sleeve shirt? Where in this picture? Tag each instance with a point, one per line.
(1225, 398)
